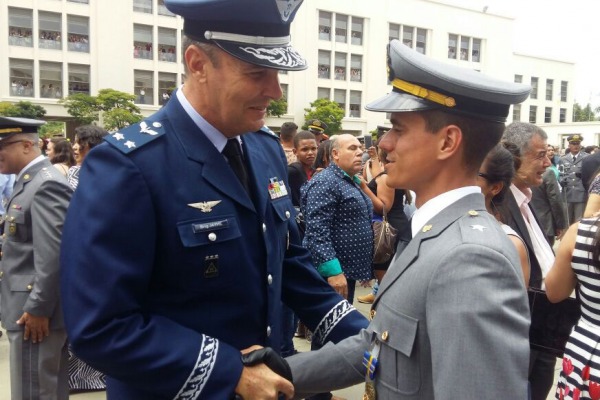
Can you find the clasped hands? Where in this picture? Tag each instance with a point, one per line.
(266, 375)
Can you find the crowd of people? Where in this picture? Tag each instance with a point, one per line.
(198, 226)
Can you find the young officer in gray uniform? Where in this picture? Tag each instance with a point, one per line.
(181, 241)
(29, 272)
(571, 179)
(451, 320)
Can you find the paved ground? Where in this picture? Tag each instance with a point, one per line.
(353, 393)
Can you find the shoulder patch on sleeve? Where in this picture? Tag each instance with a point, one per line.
(135, 136)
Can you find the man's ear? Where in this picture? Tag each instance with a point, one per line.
(450, 141)
(197, 62)
(294, 151)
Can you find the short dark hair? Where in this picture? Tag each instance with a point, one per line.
(89, 135)
(479, 135)
(287, 130)
(501, 166)
(303, 135)
(63, 152)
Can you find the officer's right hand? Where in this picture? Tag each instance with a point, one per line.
(259, 382)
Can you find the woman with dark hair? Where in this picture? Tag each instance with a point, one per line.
(494, 179)
(323, 156)
(60, 153)
(577, 266)
(86, 137)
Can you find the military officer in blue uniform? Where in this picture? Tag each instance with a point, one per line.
(180, 242)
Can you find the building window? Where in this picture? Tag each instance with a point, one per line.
(356, 68)
(323, 93)
(50, 80)
(532, 114)
(518, 78)
(144, 6)
(563, 115)
(339, 96)
(534, 87)
(548, 115)
(355, 101)
(142, 41)
(357, 31)
(324, 64)
(21, 77)
(162, 10)
(284, 93)
(50, 28)
(549, 88)
(464, 48)
(324, 25)
(394, 32)
(340, 66)
(476, 51)
(78, 33)
(341, 28)
(20, 27)
(79, 79)
(166, 84)
(516, 112)
(421, 40)
(452, 43)
(564, 88)
(407, 36)
(144, 86)
(167, 44)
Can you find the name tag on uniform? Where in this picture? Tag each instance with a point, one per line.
(210, 226)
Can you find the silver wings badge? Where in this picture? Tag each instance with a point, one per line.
(205, 206)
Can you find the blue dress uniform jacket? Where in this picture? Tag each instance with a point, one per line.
(170, 269)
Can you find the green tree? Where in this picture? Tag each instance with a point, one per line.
(83, 107)
(22, 109)
(118, 118)
(51, 129)
(119, 109)
(326, 111)
(581, 114)
(277, 108)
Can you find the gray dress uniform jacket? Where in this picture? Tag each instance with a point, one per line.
(30, 265)
(549, 204)
(571, 178)
(451, 315)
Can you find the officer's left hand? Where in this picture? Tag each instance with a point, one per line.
(35, 327)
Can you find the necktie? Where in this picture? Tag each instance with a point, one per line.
(233, 152)
(574, 159)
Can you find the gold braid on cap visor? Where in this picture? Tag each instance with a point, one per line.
(11, 130)
(424, 93)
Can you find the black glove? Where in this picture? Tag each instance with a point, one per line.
(271, 359)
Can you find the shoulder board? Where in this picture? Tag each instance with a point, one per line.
(135, 136)
(265, 130)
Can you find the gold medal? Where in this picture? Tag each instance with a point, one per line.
(370, 391)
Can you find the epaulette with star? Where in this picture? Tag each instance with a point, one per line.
(266, 130)
(135, 136)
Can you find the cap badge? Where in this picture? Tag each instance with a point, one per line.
(287, 7)
(205, 206)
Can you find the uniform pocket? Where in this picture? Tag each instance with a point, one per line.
(20, 283)
(15, 228)
(399, 364)
(214, 230)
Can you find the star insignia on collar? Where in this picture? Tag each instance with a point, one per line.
(130, 144)
(479, 228)
(205, 206)
(118, 136)
(427, 228)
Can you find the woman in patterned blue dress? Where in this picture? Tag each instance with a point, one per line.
(578, 265)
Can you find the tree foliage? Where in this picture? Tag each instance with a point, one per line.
(117, 108)
(586, 113)
(326, 111)
(277, 108)
(51, 129)
(22, 109)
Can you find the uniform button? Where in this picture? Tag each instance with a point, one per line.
(373, 312)
(212, 236)
(264, 227)
(287, 214)
(1, 273)
(270, 279)
(29, 287)
(384, 336)
(268, 331)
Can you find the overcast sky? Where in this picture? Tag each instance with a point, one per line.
(556, 29)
